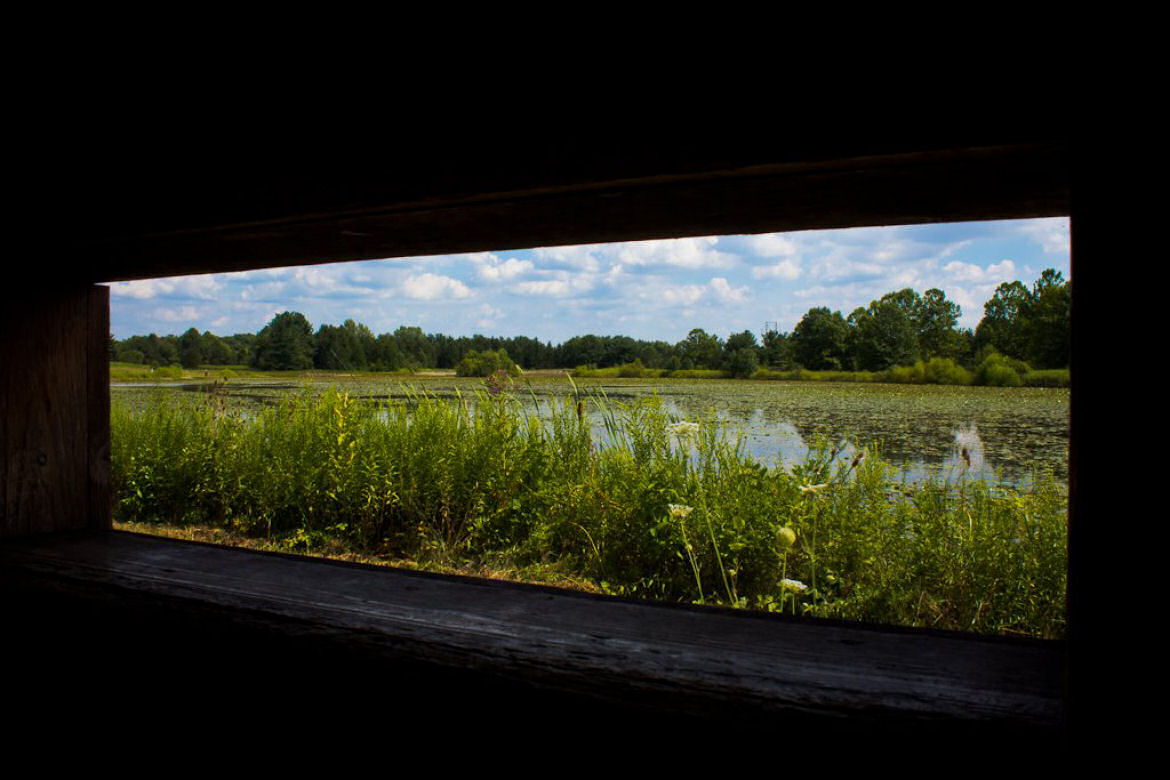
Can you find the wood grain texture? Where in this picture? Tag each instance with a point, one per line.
(97, 404)
(707, 662)
(936, 186)
(44, 421)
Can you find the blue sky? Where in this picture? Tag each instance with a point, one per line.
(644, 289)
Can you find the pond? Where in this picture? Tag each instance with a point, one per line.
(983, 432)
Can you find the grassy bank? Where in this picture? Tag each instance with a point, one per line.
(996, 371)
(660, 510)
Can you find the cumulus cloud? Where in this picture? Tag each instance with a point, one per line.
(787, 270)
(677, 253)
(432, 287)
(492, 269)
(958, 271)
(680, 294)
(489, 316)
(584, 257)
(725, 293)
(555, 288)
(557, 284)
(774, 245)
(1051, 234)
(201, 287)
(691, 253)
(687, 294)
(179, 314)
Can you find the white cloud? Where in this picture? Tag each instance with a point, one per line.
(202, 287)
(678, 294)
(142, 290)
(554, 288)
(786, 269)
(560, 284)
(583, 257)
(1051, 234)
(676, 252)
(493, 269)
(179, 314)
(774, 245)
(699, 252)
(1005, 270)
(688, 294)
(432, 287)
(489, 316)
(726, 293)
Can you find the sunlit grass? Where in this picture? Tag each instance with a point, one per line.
(656, 508)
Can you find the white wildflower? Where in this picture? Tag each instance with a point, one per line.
(796, 586)
(679, 510)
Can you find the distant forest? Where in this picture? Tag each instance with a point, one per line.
(898, 329)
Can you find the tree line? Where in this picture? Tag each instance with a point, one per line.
(1029, 325)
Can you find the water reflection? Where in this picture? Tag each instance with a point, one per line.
(950, 433)
(947, 452)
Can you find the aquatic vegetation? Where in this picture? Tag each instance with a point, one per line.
(646, 505)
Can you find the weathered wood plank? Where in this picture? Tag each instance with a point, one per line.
(44, 436)
(937, 186)
(97, 366)
(701, 660)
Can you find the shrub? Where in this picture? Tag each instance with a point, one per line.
(1055, 377)
(633, 370)
(486, 363)
(944, 371)
(743, 362)
(998, 371)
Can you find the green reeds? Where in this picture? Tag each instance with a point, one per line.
(639, 503)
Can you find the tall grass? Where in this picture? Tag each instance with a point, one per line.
(647, 506)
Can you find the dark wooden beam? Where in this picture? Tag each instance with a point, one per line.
(1000, 182)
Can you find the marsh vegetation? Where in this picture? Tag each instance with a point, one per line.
(916, 505)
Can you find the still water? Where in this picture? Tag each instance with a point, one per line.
(1005, 434)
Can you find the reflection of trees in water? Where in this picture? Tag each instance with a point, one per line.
(910, 429)
(917, 439)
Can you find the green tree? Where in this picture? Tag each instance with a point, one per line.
(737, 342)
(342, 347)
(818, 340)
(701, 349)
(1004, 321)
(285, 344)
(216, 351)
(936, 320)
(484, 363)
(191, 348)
(1046, 330)
(415, 347)
(385, 355)
(884, 335)
(743, 362)
(1031, 325)
(777, 351)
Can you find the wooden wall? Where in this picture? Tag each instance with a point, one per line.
(55, 411)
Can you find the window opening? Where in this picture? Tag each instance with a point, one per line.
(866, 424)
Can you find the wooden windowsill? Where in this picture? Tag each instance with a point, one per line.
(696, 660)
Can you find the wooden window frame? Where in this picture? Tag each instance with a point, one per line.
(1011, 180)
